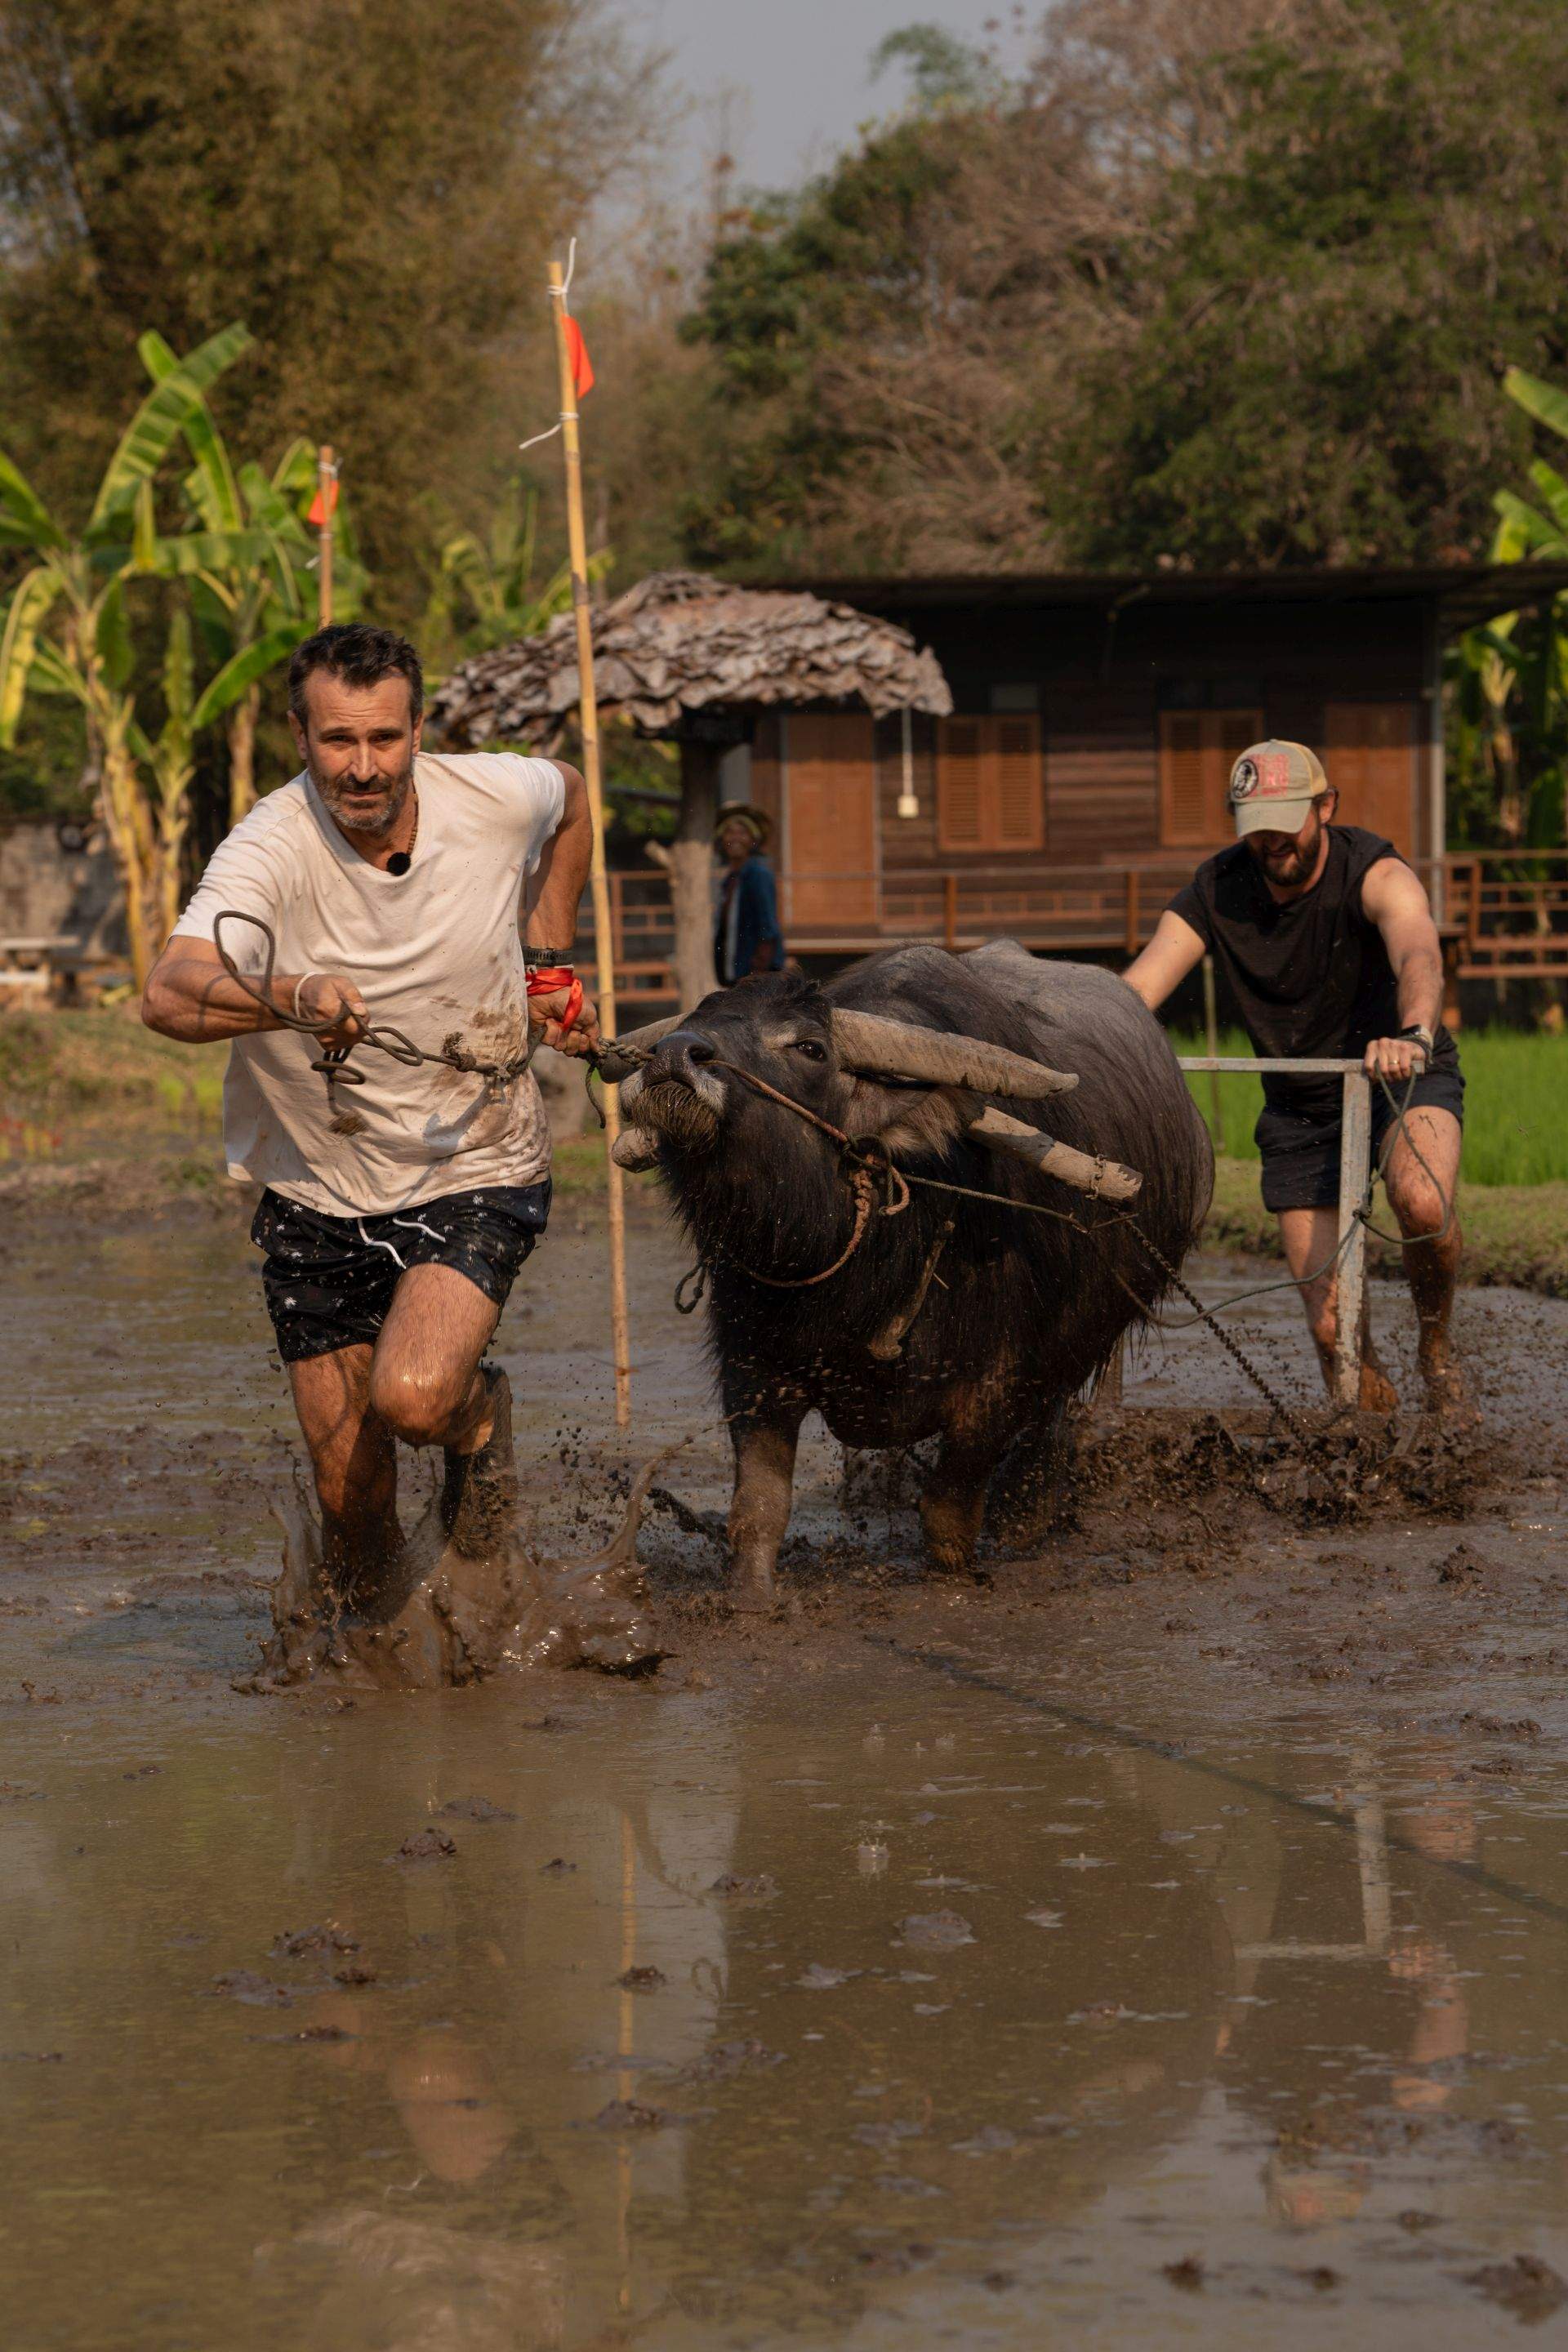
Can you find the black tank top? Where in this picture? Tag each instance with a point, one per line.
(1309, 977)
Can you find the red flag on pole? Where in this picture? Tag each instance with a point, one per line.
(317, 514)
(577, 350)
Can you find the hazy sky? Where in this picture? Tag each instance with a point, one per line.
(796, 70)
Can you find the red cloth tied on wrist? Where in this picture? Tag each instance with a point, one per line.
(549, 979)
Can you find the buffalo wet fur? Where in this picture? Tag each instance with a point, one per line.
(1019, 1313)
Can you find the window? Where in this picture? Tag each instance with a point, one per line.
(988, 783)
(1198, 751)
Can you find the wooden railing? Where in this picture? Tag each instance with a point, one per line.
(1504, 913)
(1510, 910)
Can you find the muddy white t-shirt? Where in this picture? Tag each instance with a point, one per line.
(434, 952)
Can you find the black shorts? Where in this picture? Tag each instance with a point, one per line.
(329, 1280)
(1301, 1149)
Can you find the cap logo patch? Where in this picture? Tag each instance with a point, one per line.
(1274, 776)
(1244, 780)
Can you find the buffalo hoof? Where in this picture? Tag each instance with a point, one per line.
(756, 1595)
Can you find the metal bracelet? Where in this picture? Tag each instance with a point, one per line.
(546, 958)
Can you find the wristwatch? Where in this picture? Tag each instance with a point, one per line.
(1421, 1036)
(546, 959)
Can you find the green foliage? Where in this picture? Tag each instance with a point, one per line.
(1508, 681)
(1228, 286)
(486, 594)
(372, 189)
(1312, 381)
(944, 69)
(807, 276)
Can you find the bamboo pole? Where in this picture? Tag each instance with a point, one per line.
(603, 935)
(326, 482)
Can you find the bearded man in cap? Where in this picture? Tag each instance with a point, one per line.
(1326, 939)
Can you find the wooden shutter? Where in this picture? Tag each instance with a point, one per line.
(959, 787)
(1198, 751)
(830, 873)
(988, 783)
(1017, 755)
(1370, 759)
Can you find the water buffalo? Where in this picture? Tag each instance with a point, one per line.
(963, 1320)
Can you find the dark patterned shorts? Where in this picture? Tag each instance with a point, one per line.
(329, 1281)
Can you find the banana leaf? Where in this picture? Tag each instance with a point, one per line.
(29, 610)
(161, 419)
(1538, 399)
(111, 635)
(25, 519)
(250, 664)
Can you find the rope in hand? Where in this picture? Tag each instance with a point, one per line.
(379, 1034)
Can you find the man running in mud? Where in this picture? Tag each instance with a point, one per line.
(395, 1213)
(1327, 940)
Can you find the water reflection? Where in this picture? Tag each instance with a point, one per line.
(1184, 2005)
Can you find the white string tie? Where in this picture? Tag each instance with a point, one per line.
(371, 1243)
(418, 1225)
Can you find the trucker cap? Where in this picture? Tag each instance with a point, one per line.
(1273, 785)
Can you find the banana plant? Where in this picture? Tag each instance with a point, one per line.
(247, 556)
(484, 594)
(1510, 677)
(67, 625)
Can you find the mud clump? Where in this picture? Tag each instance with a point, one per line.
(442, 1617)
(255, 1991)
(475, 1808)
(630, 2114)
(312, 1943)
(1353, 1465)
(642, 1980)
(425, 1846)
(726, 2060)
(759, 1888)
(1527, 2286)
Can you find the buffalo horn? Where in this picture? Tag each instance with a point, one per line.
(1105, 1180)
(617, 1058)
(873, 1046)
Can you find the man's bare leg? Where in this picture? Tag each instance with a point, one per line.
(355, 1465)
(420, 1382)
(1422, 1199)
(1308, 1237)
(425, 1381)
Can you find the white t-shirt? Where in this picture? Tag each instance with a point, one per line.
(436, 952)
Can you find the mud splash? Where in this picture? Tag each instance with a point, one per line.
(447, 1618)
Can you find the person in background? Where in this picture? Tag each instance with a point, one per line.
(746, 935)
(1326, 940)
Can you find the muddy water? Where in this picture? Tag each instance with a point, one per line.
(1142, 1952)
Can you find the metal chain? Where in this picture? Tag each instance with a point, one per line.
(1231, 1346)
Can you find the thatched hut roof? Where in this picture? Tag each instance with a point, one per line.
(681, 642)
